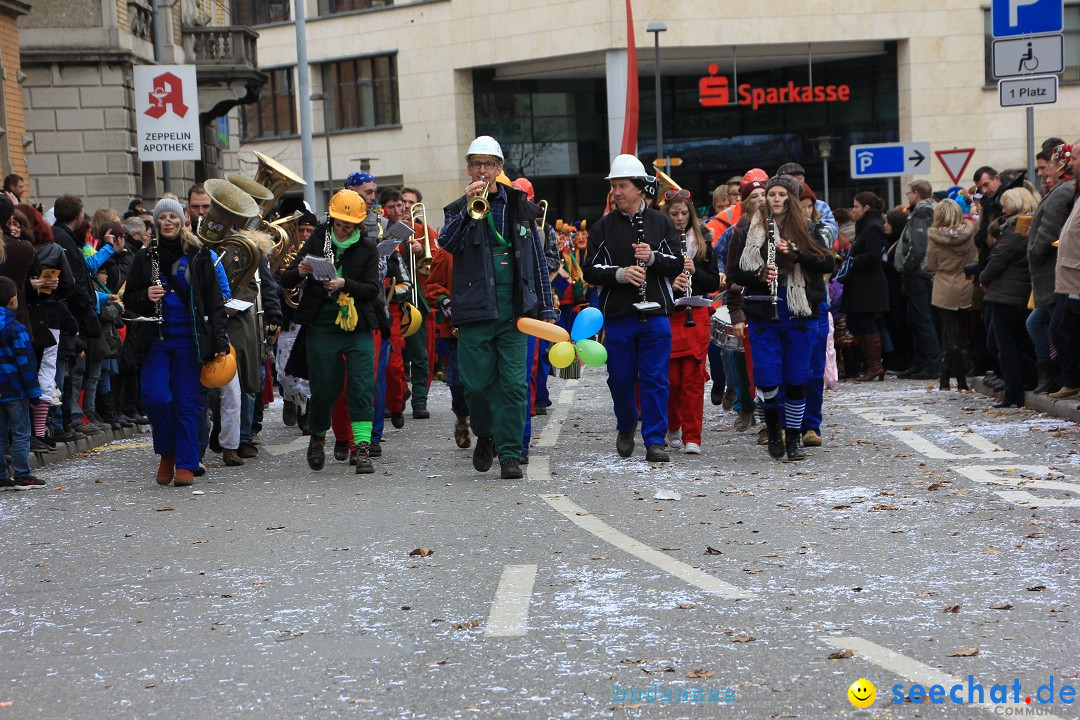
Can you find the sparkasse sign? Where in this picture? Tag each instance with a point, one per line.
(167, 112)
(715, 91)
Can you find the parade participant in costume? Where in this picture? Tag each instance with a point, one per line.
(437, 292)
(410, 197)
(295, 391)
(815, 386)
(499, 276)
(690, 328)
(338, 316)
(781, 266)
(631, 258)
(409, 365)
(174, 282)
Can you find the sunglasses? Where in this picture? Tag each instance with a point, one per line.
(681, 193)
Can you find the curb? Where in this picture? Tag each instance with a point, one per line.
(1065, 409)
(67, 450)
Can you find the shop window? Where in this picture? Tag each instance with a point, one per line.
(1071, 31)
(274, 114)
(333, 7)
(260, 12)
(363, 92)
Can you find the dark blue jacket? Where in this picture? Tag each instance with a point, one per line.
(18, 364)
(473, 296)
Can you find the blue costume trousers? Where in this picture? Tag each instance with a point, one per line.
(379, 404)
(782, 350)
(638, 354)
(170, 391)
(815, 387)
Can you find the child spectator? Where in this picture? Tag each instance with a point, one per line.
(18, 385)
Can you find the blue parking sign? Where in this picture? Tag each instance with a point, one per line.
(1027, 17)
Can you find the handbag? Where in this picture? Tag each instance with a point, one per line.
(844, 272)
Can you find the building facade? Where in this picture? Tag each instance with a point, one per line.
(411, 83)
(13, 139)
(78, 89)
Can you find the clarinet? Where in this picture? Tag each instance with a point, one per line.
(689, 290)
(642, 305)
(774, 284)
(155, 278)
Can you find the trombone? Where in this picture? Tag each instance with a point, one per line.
(419, 212)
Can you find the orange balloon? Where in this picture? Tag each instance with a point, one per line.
(543, 330)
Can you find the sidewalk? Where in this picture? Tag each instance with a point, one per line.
(65, 450)
(1066, 409)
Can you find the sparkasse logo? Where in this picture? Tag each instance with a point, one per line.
(715, 91)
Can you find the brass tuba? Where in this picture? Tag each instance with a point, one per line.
(663, 185)
(275, 177)
(231, 210)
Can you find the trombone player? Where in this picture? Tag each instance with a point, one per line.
(499, 276)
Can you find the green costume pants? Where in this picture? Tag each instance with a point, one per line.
(416, 352)
(330, 353)
(491, 362)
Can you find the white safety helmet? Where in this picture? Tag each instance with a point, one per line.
(485, 145)
(627, 166)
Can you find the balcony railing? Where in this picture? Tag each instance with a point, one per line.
(232, 46)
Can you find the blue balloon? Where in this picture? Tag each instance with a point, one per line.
(588, 322)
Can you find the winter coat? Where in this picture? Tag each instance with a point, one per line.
(1046, 224)
(866, 289)
(948, 252)
(83, 299)
(1068, 257)
(19, 265)
(204, 302)
(18, 365)
(474, 295)
(611, 242)
(911, 252)
(1006, 274)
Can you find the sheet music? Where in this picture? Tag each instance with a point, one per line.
(321, 270)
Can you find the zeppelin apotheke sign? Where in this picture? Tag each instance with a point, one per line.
(167, 112)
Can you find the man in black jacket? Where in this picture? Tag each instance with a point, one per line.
(918, 283)
(630, 259)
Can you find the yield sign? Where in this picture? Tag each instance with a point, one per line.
(955, 161)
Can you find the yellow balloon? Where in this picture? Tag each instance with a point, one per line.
(561, 354)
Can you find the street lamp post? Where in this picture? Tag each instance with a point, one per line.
(326, 134)
(656, 28)
(824, 151)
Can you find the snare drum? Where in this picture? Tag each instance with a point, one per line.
(722, 333)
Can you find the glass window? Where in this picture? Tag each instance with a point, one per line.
(274, 113)
(332, 7)
(260, 12)
(363, 91)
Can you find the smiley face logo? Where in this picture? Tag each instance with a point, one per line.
(862, 693)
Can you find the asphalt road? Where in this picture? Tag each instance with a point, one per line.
(928, 526)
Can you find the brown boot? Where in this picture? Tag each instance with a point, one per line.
(165, 469)
(231, 459)
(461, 433)
(872, 348)
(184, 478)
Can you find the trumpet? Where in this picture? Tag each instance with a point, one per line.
(543, 216)
(479, 207)
(419, 212)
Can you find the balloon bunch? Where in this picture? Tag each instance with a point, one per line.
(575, 344)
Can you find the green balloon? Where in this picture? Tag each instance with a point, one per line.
(591, 352)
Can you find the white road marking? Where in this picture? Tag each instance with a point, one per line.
(556, 419)
(298, 444)
(539, 468)
(987, 474)
(916, 672)
(509, 616)
(903, 416)
(987, 450)
(586, 521)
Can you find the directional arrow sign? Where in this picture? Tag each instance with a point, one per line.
(955, 161)
(890, 160)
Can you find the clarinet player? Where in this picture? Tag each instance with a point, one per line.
(631, 259)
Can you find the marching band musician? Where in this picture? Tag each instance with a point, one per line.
(499, 276)
(338, 316)
(687, 372)
(175, 282)
(296, 391)
(634, 272)
(781, 266)
(437, 293)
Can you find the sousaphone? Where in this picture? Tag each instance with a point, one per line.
(231, 210)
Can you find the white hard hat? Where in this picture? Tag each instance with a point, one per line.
(626, 166)
(485, 145)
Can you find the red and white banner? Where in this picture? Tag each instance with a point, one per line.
(167, 112)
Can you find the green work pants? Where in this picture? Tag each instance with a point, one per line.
(491, 362)
(331, 353)
(416, 352)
